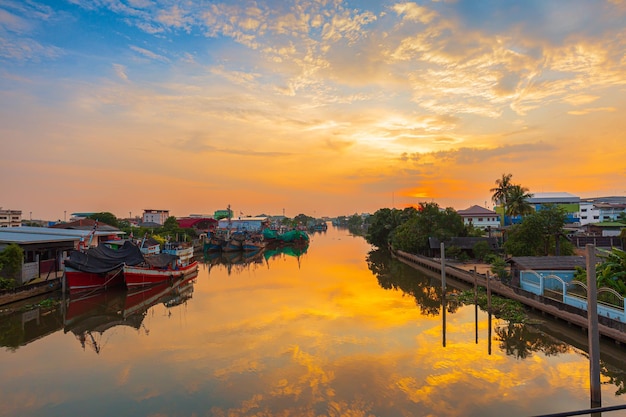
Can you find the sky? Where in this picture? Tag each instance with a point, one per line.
(323, 107)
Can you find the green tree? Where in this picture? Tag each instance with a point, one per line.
(481, 249)
(106, 218)
(429, 221)
(383, 224)
(11, 260)
(539, 234)
(517, 201)
(501, 191)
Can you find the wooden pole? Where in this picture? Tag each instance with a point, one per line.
(476, 305)
(488, 293)
(593, 328)
(443, 267)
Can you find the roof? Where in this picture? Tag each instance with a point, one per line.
(85, 224)
(608, 224)
(9, 236)
(553, 198)
(559, 263)
(463, 242)
(476, 211)
(51, 231)
(189, 222)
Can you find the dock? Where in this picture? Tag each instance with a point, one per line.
(608, 328)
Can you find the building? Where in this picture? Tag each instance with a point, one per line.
(566, 201)
(602, 209)
(46, 247)
(10, 218)
(244, 224)
(480, 217)
(155, 216)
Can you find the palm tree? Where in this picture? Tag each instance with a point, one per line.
(517, 201)
(501, 192)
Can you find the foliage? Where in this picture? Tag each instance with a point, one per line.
(503, 308)
(499, 268)
(105, 217)
(539, 234)
(429, 221)
(610, 272)
(513, 198)
(11, 259)
(383, 224)
(481, 249)
(517, 201)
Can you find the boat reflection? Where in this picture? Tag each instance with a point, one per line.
(89, 316)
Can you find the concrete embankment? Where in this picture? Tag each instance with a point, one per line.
(29, 291)
(608, 328)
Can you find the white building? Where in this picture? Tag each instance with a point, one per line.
(155, 216)
(248, 224)
(603, 209)
(480, 217)
(10, 218)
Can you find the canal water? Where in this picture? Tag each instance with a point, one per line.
(334, 330)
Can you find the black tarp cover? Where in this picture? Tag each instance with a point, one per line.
(161, 260)
(102, 259)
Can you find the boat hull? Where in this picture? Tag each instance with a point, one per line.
(76, 280)
(135, 276)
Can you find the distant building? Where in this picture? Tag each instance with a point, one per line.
(155, 216)
(248, 224)
(222, 214)
(10, 218)
(601, 209)
(480, 217)
(566, 201)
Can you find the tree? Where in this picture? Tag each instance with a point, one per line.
(11, 259)
(539, 234)
(517, 201)
(501, 191)
(383, 224)
(429, 221)
(106, 218)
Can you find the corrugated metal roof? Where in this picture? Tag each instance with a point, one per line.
(558, 263)
(8, 236)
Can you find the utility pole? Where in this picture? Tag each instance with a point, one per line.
(593, 328)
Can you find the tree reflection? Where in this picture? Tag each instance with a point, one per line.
(395, 275)
(521, 340)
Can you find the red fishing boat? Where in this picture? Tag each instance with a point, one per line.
(174, 263)
(99, 267)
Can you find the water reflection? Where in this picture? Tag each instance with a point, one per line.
(89, 315)
(335, 329)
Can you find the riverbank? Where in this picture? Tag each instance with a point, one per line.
(611, 329)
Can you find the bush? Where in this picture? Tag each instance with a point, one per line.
(481, 250)
(498, 267)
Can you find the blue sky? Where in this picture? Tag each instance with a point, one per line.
(324, 107)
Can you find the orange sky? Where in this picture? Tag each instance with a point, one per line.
(330, 108)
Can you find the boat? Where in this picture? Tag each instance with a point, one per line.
(99, 267)
(234, 243)
(290, 237)
(156, 269)
(254, 243)
(213, 243)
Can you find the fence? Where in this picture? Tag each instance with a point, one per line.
(573, 293)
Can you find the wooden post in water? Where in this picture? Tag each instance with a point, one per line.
(488, 293)
(592, 329)
(476, 304)
(443, 267)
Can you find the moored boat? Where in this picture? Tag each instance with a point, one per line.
(157, 269)
(99, 267)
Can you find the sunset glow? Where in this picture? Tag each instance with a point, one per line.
(316, 107)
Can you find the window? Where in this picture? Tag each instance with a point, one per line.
(583, 210)
(584, 217)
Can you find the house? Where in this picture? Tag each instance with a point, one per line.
(606, 229)
(480, 217)
(569, 203)
(46, 247)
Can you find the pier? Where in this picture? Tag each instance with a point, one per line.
(608, 328)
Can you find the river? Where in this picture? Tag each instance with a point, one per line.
(339, 330)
